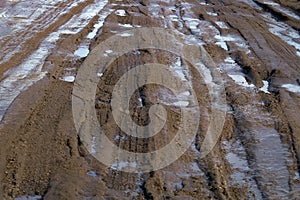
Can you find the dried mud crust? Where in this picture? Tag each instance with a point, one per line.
(257, 156)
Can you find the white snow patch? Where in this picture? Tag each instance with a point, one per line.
(126, 25)
(240, 80)
(108, 51)
(292, 88)
(82, 52)
(228, 38)
(191, 23)
(99, 74)
(229, 60)
(99, 24)
(297, 176)
(121, 13)
(181, 103)
(265, 87)
(223, 45)
(140, 102)
(270, 3)
(184, 95)
(126, 34)
(69, 79)
(212, 14)
(222, 25)
(174, 18)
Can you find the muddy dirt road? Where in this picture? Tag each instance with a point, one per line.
(255, 46)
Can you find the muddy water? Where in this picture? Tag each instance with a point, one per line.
(255, 46)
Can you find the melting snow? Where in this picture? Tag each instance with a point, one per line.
(30, 71)
(284, 32)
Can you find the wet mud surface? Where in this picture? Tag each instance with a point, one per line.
(255, 46)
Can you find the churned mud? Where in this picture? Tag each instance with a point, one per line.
(255, 45)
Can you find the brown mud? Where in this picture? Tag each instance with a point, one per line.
(258, 154)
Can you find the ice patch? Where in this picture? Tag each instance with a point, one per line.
(265, 87)
(292, 88)
(240, 80)
(82, 52)
(121, 13)
(69, 79)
